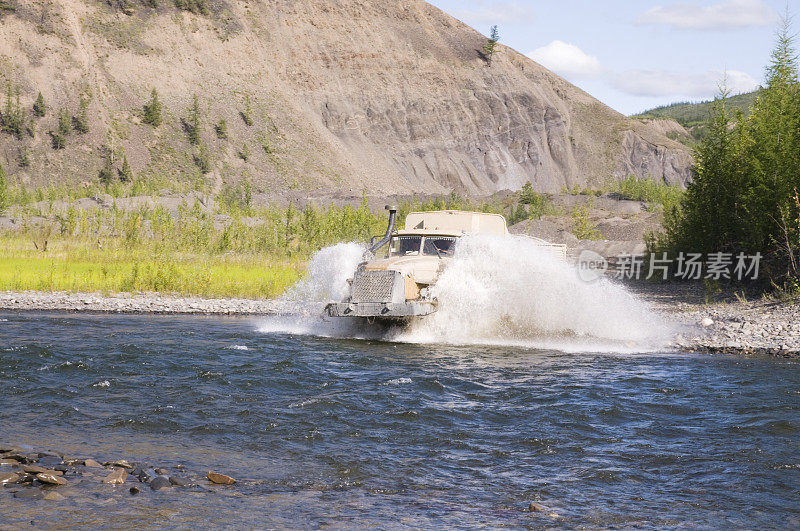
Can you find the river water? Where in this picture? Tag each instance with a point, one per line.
(344, 433)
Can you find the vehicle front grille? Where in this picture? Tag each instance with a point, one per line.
(373, 286)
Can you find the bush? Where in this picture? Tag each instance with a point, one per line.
(650, 191)
(244, 153)
(247, 113)
(202, 158)
(194, 6)
(4, 192)
(582, 226)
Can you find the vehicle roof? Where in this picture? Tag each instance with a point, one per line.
(455, 222)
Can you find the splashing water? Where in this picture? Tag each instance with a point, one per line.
(496, 290)
(512, 290)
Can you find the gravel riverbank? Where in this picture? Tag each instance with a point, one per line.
(747, 328)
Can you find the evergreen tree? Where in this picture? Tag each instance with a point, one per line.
(80, 122)
(39, 107)
(202, 158)
(107, 173)
(152, 110)
(221, 129)
(126, 173)
(24, 157)
(13, 118)
(192, 124)
(490, 47)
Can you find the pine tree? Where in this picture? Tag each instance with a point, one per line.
(152, 110)
(80, 121)
(192, 124)
(221, 129)
(39, 107)
(107, 173)
(13, 118)
(202, 158)
(490, 47)
(24, 157)
(126, 173)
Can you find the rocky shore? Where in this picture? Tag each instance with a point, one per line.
(131, 303)
(760, 327)
(53, 476)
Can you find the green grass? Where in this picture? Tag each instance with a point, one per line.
(68, 266)
(650, 191)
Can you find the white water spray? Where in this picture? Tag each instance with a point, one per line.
(496, 290)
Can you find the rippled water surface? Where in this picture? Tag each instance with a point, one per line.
(347, 433)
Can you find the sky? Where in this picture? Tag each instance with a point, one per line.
(634, 56)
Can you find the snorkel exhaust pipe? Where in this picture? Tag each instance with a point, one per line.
(389, 230)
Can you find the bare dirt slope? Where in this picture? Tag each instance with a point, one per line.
(346, 95)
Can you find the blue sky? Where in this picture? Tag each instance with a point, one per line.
(637, 55)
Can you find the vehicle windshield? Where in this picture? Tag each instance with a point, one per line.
(405, 245)
(439, 246)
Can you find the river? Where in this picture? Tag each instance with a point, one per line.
(357, 433)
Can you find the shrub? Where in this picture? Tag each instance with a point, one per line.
(244, 153)
(4, 192)
(582, 226)
(152, 110)
(193, 6)
(247, 113)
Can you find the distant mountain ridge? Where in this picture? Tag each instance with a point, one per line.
(693, 116)
(346, 95)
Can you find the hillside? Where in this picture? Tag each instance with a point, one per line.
(345, 96)
(693, 116)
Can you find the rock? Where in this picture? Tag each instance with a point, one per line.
(61, 468)
(161, 472)
(706, 322)
(26, 478)
(120, 463)
(116, 477)
(160, 482)
(51, 479)
(91, 463)
(50, 461)
(179, 481)
(8, 462)
(29, 494)
(134, 490)
(220, 479)
(53, 496)
(8, 477)
(147, 475)
(34, 469)
(537, 508)
(50, 454)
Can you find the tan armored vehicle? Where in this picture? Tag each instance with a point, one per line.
(395, 286)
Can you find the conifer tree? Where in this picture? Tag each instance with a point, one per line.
(490, 47)
(247, 113)
(152, 110)
(221, 129)
(4, 193)
(80, 121)
(126, 173)
(106, 174)
(193, 123)
(39, 107)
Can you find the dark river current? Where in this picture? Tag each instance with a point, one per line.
(352, 434)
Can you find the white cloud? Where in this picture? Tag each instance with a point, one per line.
(567, 60)
(657, 83)
(488, 12)
(729, 14)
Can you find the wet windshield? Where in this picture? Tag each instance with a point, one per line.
(405, 245)
(439, 246)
